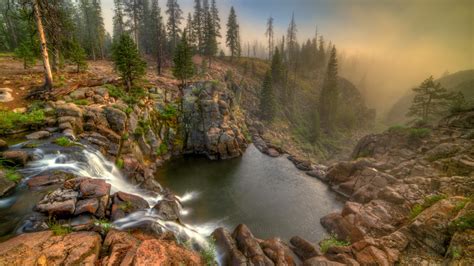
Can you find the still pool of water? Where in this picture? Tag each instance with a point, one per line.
(267, 194)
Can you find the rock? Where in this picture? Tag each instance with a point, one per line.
(38, 135)
(121, 247)
(59, 202)
(335, 223)
(44, 180)
(44, 248)
(87, 206)
(272, 152)
(124, 203)
(68, 109)
(304, 249)
(249, 246)
(372, 256)
(168, 210)
(15, 158)
(78, 94)
(318, 173)
(3, 145)
(94, 188)
(156, 252)
(5, 95)
(116, 119)
(227, 246)
(321, 261)
(5, 184)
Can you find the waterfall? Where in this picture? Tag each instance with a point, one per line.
(88, 162)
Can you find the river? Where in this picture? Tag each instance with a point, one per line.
(267, 194)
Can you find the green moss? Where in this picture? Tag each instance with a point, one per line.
(10, 121)
(163, 149)
(465, 222)
(427, 202)
(332, 241)
(63, 141)
(208, 254)
(169, 111)
(13, 175)
(125, 206)
(456, 252)
(81, 102)
(119, 163)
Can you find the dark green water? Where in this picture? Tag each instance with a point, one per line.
(268, 194)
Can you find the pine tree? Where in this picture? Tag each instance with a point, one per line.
(77, 56)
(190, 32)
(430, 100)
(175, 15)
(315, 125)
(26, 52)
(277, 68)
(270, 33)
(158, 35)
(267, 98)
(118, 20)
(210, 36)
(183, 61)
(321, 52)
(291, 41)
(329, 94)
(215, 19)
(198, 25)
(233, 35)
(127, 60)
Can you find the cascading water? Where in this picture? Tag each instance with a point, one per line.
(85, 161)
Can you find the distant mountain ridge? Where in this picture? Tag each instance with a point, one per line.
(462, 81)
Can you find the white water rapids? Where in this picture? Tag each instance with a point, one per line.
(91, 163)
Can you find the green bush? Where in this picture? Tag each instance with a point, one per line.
(463, 223)
(419, 133)
(104, 224)
(163, 149)
(169, 111)
(58, 229)
(209, 253)
(116, 92)
(119, 163)
(332, 241)
(63, 141)
(10, 120)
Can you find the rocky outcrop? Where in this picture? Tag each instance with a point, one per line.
(213, 123)
(405, 196)
(45, 248)
(6, 185)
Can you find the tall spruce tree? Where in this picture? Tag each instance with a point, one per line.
(210, 35)
(183, 68)
(267, 98)
(175, 16)
(216, 19)
(292, 43)
(233, 35)
(118, 20)
(329, 94)
(430, 100)
(127, 60)
(270, 35)
(158, 35)
(198, 25)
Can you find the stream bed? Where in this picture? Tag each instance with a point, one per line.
(267, 194)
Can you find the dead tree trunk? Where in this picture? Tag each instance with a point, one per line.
(48, 82)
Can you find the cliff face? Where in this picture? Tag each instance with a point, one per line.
(409, 196)
(212, 122)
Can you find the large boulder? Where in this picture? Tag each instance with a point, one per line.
(3, 145)
(303, 248)
(227, 246)
(60, 202)
(124, 203)
(15, 158)
(214, 126)
(45, 248)
(68, 109)
(116, 119)
(167, 209)
(38, 135)
(249, 246)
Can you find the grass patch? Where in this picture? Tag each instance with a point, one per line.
(169, 111)
(456, 252)
(81, 102)
(10, 121)
(163, 149)
(332, 241)
(63, 141)
(463, 223)
(418, 133)
(105, 224)
(59, 229)
(427, 202)
(116, 92)
(119, 163)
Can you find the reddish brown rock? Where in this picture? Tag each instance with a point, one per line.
(124, 203)
(43, 180)
(303, 248)
(44, 248)
(278, 252)
(321, 261)
(372, 256)
(249, 246)
(87, 206)
(15, 158)
(156, 252)
(93, 188)
(227, 246)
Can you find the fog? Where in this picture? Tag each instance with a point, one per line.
(385, 47)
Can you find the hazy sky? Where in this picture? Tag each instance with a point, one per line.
(415, 37)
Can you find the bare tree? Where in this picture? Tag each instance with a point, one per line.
(48, 83)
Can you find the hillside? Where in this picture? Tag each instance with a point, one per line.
(461, 81)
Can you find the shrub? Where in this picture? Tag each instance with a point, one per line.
(58, 229)
(463, 223)
(332, 241)
(104, 224)
(119, 163)
(63, 141)
(116, 92)
(10, 120)
(419, 133)
(168, 112)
